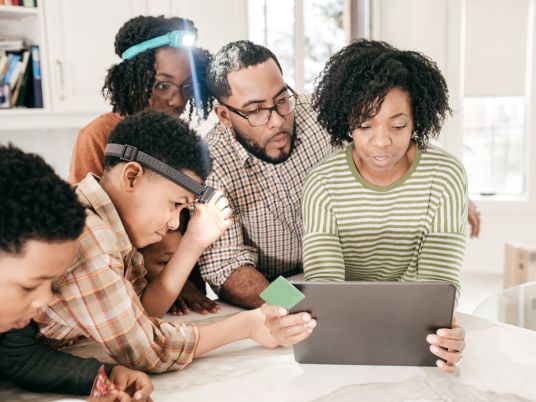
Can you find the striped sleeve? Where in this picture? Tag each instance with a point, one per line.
(322, 251)
(443, 248)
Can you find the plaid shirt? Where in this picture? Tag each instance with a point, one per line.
(266, 201)
(99, 296)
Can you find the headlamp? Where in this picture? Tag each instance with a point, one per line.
(177, 39)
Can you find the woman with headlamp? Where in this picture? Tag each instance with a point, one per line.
(160, 69)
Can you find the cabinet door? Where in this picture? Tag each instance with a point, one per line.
(80, 36)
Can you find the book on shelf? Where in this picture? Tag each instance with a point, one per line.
(5, 96)
(36, 78)
(18, 84)
(3, 64)
(23, 99)
(12, 71)
(20, 78)
(22, 3)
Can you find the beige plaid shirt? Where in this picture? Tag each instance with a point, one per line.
(266, 201)
(99, 296)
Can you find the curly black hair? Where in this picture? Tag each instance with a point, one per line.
(176, 144)
(36, 204)
(232, 57)
(129, 84)
(355, 80)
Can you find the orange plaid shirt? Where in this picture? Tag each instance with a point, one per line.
(99, 296)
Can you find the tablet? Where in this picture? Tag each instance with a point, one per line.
(373, 323)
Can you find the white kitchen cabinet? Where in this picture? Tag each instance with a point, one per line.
(80, 37)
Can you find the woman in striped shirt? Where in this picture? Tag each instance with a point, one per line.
(389, 206)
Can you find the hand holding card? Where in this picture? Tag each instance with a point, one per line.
(287, 329)
(282, 293)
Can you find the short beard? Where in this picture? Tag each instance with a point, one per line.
(259, 152)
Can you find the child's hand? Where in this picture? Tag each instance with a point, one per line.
(191, 298)
(287, 329)
(134, 383)
(258, 331)
(209, 221)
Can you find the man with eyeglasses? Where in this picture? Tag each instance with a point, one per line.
(265, 143)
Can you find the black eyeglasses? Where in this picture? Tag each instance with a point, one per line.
(167, 90)
(283, 105)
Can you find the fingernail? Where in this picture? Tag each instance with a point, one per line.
(442, 332)
(434, 349)
(137, 395)
(311, 324)
(431, 338)
(282, 311)
(440, 363)
(306, 317)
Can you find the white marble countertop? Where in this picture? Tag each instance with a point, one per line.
(499, 365)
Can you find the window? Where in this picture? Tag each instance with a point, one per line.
(496, 95)
(303, 34)
(494, 145)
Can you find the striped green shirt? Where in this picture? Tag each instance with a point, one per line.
(411, 230)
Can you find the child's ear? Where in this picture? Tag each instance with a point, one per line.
(130, 176)
(223, 115)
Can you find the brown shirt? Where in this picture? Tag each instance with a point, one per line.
(88, 150)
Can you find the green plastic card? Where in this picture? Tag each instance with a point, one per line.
(282, 293)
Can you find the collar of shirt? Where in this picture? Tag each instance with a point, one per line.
(93, 196)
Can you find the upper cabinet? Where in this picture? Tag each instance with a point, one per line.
(80, 37)
(76, 42)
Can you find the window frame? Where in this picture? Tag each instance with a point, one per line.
(453, 138)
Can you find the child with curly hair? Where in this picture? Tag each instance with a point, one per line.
(40, 223)
(166, 76)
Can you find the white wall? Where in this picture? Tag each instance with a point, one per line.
(218, 22)
(53, 145)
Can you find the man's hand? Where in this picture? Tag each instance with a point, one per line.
(191, 298)
(135, 384)
(448, 344)
(287, 329)
(473, 215)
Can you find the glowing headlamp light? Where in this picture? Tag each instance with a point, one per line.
(177, 39)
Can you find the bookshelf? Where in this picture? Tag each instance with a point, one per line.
(75, 40)
(27, 24)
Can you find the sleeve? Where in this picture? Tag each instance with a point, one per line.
(229, 252)
(40, 368)
(88, 154)
(97, 301)
(322, 251)
(443, 248)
